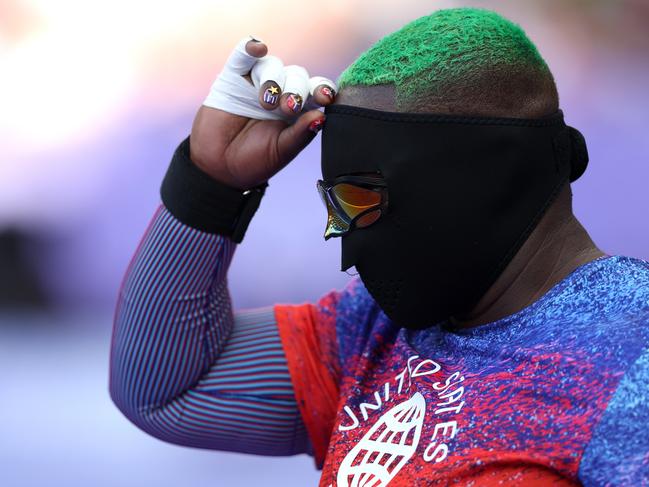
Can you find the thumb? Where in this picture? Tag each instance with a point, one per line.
(296, 137)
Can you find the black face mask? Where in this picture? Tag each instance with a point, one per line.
(464, 193)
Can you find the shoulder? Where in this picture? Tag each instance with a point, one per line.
(620, 283)
(617, 291)
(609, 310)
(618, 451)
(609, 292)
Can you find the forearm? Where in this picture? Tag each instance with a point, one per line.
(187, 370)
(173, 315)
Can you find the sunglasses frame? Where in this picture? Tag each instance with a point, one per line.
(376, 184)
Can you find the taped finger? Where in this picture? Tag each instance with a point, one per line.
(268, 76)
(268, 68)
(234, 93)
(240, 62)
(296, 88)
(323, 85)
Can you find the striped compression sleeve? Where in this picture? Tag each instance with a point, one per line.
(184, 367)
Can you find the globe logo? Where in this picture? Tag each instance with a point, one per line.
(386, 447)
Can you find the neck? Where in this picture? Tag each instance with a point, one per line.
(556, 247)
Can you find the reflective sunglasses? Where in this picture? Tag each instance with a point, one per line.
(352, 202)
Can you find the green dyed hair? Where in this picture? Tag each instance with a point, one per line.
(466, 55)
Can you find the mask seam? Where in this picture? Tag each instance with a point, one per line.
(524, 235)
(552, 120)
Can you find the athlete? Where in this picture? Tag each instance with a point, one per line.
(488, 341)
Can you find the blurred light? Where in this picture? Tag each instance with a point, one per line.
(60, 79)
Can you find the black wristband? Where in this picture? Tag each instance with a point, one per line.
(201, 202)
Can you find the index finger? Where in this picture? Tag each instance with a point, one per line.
(244, 56)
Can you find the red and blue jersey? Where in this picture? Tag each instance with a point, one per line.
(555, 394)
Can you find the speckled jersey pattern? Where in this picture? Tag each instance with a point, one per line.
(556, 394)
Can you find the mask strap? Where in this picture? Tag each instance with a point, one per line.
(578, 154)
(570, 149)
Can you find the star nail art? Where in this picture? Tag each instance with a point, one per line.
(271, 95)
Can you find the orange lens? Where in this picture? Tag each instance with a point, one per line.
(369, 218)
(354, 200)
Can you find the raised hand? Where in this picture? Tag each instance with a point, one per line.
(254, 122)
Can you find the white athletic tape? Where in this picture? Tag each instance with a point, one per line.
(297, 81)
(234, 94)
(268, 68)
(321, 80)
(240, 61)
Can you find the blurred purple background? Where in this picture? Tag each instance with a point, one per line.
(94, 97)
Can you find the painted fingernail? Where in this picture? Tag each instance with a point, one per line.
(328, 92)
(294, 102)
(316, 125)
(271, 94)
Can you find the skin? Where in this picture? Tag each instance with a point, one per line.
(243, 153)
